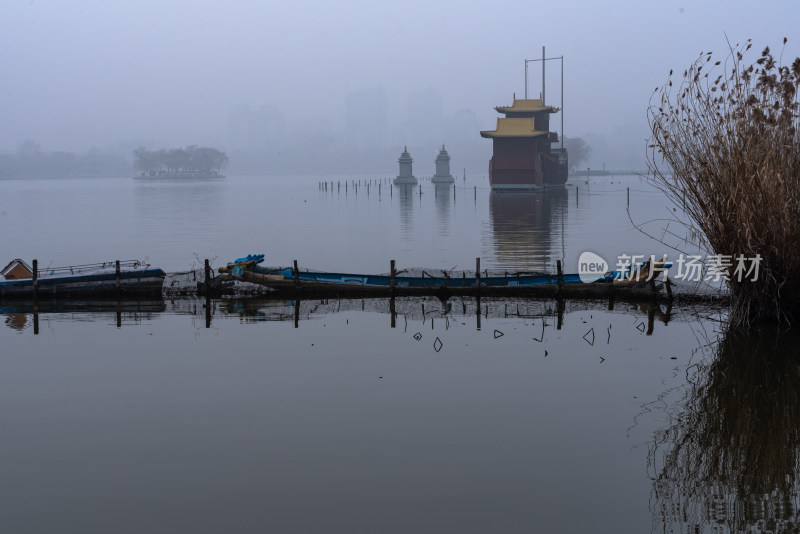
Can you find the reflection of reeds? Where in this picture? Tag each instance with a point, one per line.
(729, 136)
(731, 456)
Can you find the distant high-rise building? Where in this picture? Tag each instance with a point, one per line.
(255, 130)
(367, 118)
(425, 114)
(460, 127)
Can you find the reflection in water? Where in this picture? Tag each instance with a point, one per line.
(255, 310)
(183, 205)
(126, 311)
(444, 194)
(406, 195)
(729, 462)
(528, 228)
(16, 321)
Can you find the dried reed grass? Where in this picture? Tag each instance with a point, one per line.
(726, 139)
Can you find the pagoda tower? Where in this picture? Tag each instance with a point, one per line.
(523, 157)
(406, 176)
(442, 175)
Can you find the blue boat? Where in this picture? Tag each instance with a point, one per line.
(123, 278)
(294, 281)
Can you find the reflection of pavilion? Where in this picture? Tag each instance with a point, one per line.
(405, 192)
(443, 193)
(528, 228)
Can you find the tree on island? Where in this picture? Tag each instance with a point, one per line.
(578, 150)
(30, 160)
(190, 160)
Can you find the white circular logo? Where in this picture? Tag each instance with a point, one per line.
(591, 267)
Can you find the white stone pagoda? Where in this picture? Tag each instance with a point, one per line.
(406, 175)
(443, 175)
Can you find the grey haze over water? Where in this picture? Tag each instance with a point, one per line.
(363, 76)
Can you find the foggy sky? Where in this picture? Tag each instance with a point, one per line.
(108, 73)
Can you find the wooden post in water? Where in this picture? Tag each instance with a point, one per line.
(117, 273)
(478, 309)
(35, 283)
(391, 274)
(392, 311)
(297, 312)
(560, 274)
(454, 191)
(207, 280)
(560, 296)
(478, 277)
(296, 274)
(35, 322)
(420, 191)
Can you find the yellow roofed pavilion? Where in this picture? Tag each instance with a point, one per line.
(527, 107)
(516, 127)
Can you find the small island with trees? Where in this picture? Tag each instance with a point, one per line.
(190, 162)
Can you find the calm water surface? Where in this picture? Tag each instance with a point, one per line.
(372, 415)
(172, 223)
(340, 424)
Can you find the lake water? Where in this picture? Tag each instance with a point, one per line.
(172, 223)
(411, 415)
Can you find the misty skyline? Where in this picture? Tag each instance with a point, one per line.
(116, 75)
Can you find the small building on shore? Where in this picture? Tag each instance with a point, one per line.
(443, 175)
(406, 176)
(16, 270)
